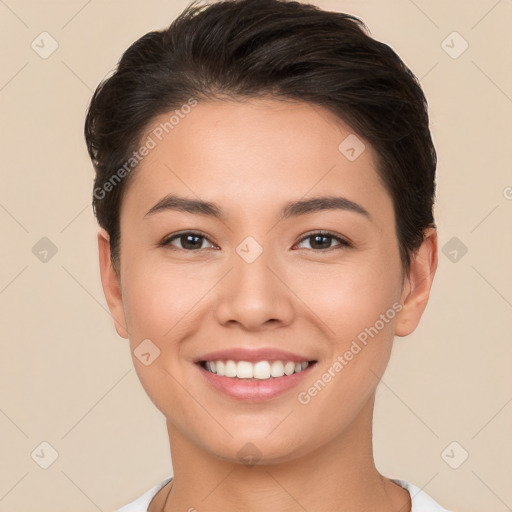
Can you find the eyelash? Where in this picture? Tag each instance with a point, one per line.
(343, 243)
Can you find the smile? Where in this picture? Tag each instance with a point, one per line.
(261, 370)
(256, 381)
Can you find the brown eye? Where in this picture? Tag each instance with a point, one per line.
(322, 240)
(188, 241)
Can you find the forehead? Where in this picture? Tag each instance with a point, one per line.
(253, 151)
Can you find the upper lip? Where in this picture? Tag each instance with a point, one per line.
(253, 355)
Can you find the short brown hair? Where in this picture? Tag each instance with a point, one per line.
(285, 49)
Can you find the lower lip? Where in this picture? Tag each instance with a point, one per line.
(254, 390)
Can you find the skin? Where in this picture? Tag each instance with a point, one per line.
(251, 158)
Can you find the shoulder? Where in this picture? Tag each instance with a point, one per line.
(141, 504)
(421, 501)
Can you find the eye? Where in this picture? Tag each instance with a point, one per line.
(321, 240)
(194, 241)
(189, 240)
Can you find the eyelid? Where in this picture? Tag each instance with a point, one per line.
(166, 242)
(343, 241)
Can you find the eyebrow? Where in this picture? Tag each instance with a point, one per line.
(291, 209)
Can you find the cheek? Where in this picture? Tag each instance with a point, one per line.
(157, 309)
(348, 298)
(355, 305)
(157, 298)
(357, 321)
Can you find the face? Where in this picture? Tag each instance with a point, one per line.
(266, 271)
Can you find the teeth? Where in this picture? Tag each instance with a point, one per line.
(230, 369)
(261, 370)
(289, 368)
(277, 369)
(244, 370)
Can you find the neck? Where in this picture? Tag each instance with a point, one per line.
(339, 476)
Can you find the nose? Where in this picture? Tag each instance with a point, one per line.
(254, 295)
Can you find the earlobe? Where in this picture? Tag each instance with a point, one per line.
(417, 290)
(111, 284)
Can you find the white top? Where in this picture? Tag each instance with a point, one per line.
(421, 501)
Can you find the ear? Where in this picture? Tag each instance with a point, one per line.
(419, 282)
(111, 284)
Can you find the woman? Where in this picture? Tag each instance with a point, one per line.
(265, 180)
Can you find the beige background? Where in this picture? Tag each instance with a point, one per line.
(67, 379)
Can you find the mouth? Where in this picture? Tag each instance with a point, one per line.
(259, 370)
(254, 381)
